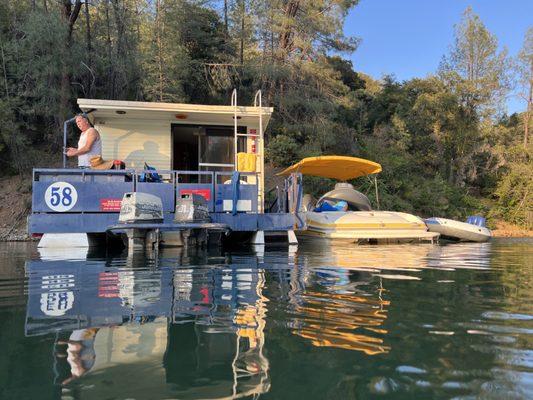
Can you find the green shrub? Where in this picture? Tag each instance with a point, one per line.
(282, 151)
(514, 193)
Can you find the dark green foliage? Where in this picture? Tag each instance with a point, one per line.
(443, 145)
(282, 150)
(514, 191)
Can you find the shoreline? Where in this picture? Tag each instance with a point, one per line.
(20, 235)
(507, 230)
(16, 235)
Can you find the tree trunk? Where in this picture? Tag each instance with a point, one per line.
(527, 116)
(88, 32)
(111, 69)
(226, 17)
(89, 47)
(159, 49)
(5, 71)
(70, 13)
(450, 171)
(120, 78)
(243, 11)
(286, 35)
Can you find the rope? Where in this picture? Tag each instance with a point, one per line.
(235, 178)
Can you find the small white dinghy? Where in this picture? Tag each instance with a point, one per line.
(473, 230)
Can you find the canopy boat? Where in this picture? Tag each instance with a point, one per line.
(346, 214)
(473, 230)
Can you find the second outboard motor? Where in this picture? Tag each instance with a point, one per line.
(191, 208)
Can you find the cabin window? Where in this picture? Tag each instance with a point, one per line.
(185, 147)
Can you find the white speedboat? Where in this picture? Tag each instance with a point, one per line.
(474, 230)
(368, 226)
(346, 214)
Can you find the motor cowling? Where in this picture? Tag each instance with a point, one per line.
(191, 208)
(140, 207)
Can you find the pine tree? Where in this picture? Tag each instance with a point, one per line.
(525, 72)
(475, 70)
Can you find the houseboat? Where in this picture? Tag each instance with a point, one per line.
(212, 151)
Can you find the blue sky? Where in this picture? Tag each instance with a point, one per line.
(407, 38)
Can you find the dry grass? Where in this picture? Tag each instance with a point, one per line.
(505, 229)
(15, 205)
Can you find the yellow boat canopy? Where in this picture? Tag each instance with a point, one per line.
(336, 167)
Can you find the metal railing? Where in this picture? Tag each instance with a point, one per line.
(171, 185)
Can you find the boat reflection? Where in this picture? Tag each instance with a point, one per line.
(183, 332)
(192, 324)
(340, 305)
(461, 256)
(411, 258)
(373, 258)
(333, 312)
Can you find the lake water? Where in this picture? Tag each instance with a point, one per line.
(409, 321)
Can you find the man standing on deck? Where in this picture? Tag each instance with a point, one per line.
(89, 144)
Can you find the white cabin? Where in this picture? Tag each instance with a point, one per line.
(183, 137)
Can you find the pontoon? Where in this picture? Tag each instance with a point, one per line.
(345, 214)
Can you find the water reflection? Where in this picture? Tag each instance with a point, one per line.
(199, 332)
(334, 320)
(411, 258)
(355, 321)
(335, 300)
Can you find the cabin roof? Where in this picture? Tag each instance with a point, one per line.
(175, 112)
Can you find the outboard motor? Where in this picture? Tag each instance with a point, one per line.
(140, 207)
(191, 208)
(357, 201)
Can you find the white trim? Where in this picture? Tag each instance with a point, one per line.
(242, 205)
(63, 240)
(215, 165)
(87, 104)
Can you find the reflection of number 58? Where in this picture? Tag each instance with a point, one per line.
(64, 197)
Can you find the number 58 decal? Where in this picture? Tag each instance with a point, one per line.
(61, 196)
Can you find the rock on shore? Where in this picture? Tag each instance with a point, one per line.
(16, 235)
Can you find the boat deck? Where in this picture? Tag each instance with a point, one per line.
(88, 201)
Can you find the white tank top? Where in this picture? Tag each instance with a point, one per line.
(84, 160)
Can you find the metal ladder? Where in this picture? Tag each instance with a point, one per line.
(259, 144)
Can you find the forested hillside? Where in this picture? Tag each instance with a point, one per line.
(446, 145)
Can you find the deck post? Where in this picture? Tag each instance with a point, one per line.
(258, 237)
(136, 240)
(152, 240)
(377, 191)
(292, 237)
(65, 127)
